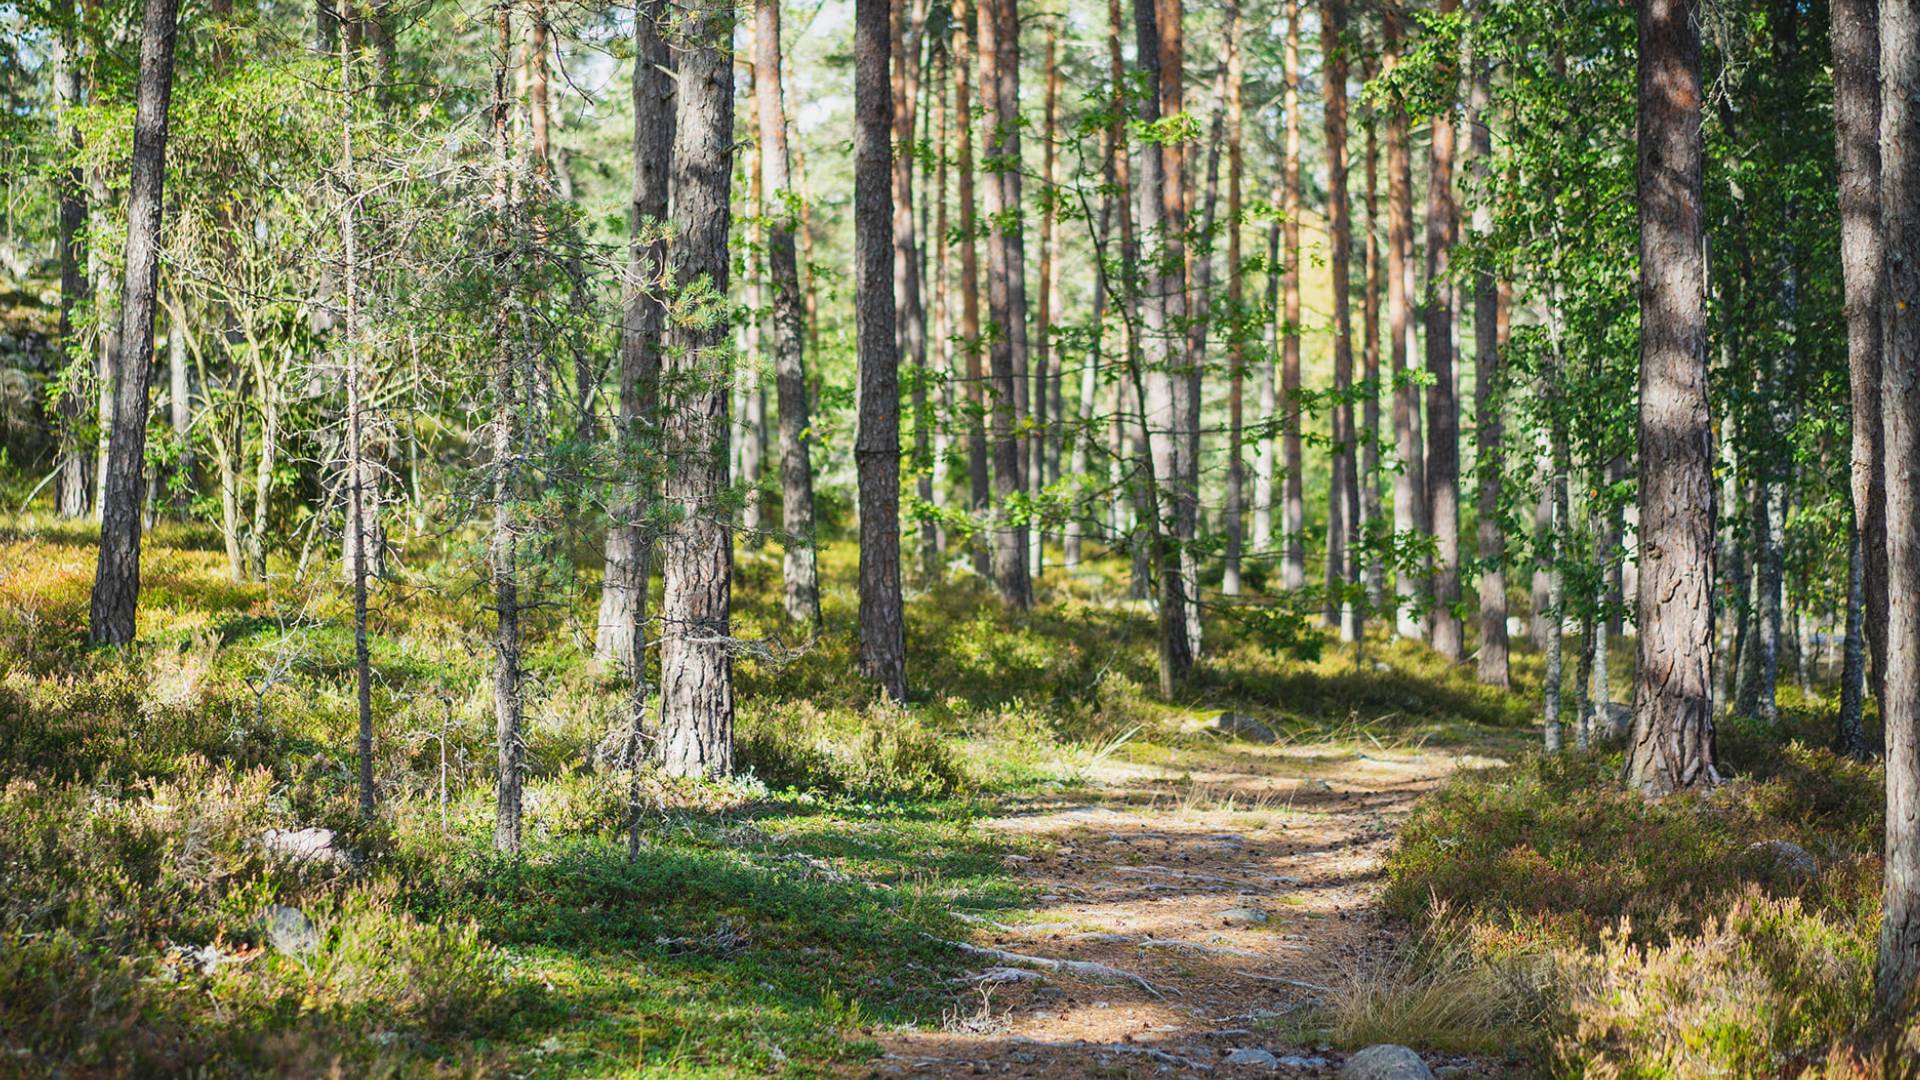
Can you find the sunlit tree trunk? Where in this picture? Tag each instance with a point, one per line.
(1370, 372)
(979, 480)
(696, 662)
(1236, 301)
(70, 490)
(1006, 301)
(910, 316)
(116, 584)
(1041, 444)
(1343, 504)
(1407, 481)
(1488, 389)
(1293, 565)
(503, 556)
(1443, 407)
(1672, 744)
(623, 592)
(1162, 389)
(789, 326)
(1899, 965)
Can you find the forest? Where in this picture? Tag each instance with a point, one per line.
(1361, 538)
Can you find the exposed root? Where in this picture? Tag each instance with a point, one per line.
(1085, 969)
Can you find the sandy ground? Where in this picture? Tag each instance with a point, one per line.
(1238, 882)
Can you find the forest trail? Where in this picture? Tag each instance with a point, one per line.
(1239, 881)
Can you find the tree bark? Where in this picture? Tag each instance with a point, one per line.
(979, 481)
(630, 540)
(1443, 407)
(1293, 520)
(696, 660)
(70, 492)
(1489, 406)
(1162, 389)
(502, 553)
(883, 646)
(910, 316)
(1343, 548)
(116, 584)
(358, 509)
(1856, 138)
(1044, 314)
(1236, 302)
(789, 326)
(1006, 310)
(1672, 744)
(1370, 377)
(1899, 964)
(1408, 480)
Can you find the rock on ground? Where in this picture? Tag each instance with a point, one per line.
(1782, 859)
(1385, 1062)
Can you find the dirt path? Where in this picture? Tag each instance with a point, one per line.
(1238, 882)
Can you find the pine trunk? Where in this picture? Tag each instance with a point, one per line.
(1443, 406)
(696, 663)
(883, 645)
(623, 593)
(116, 584)
(1672, 744)
(789, 327)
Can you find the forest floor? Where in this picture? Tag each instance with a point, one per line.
(1308, 851)
(1237, 882)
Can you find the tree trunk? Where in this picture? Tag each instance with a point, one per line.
(1900, 418)
(1162, 389)
(116, 584)
(503, 556)
(753, 394)
(70, 492)
(1048, 298)
(1407, 480)
(623, 592)
(910, 317)
(1266, 444)
(1856, 138)
(1005, 308)
(1850, 737)
(978, 480)
(358, 509)
(1293, 521)
(1489, 397)
(1672, 744)
(1236, 301)
(883, 648)
(1443, 407)
(789, 327)
(1343, 547)
(696, 660)
(1370, 402)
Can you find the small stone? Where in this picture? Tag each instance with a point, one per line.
(1242, 726)
(1243, 916)
(1251, 1055)
(1297, 1061)
(1385, 1062)
(289, 931)
(1782, 860)
(312, 846)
